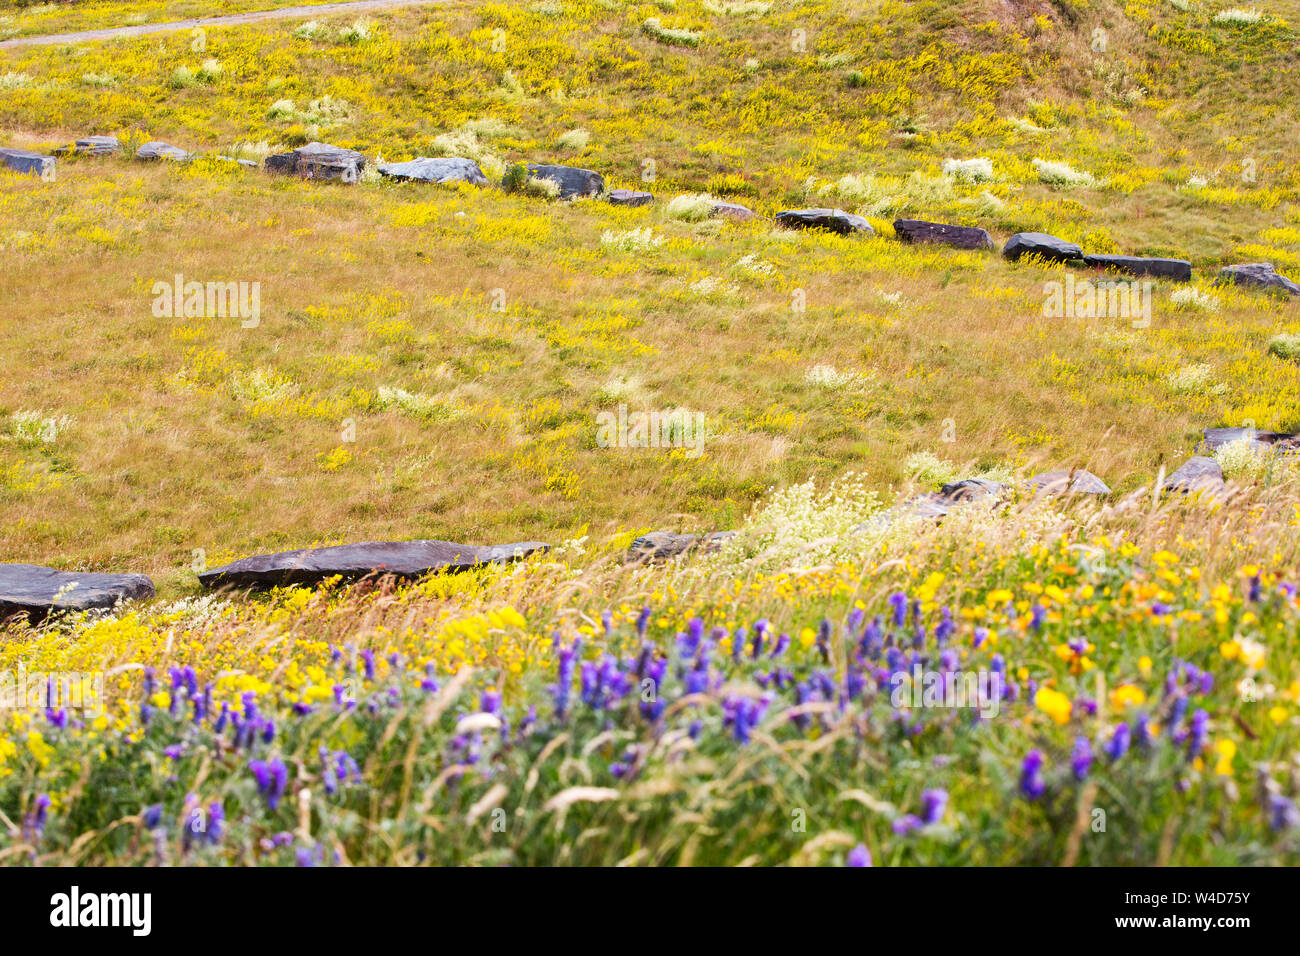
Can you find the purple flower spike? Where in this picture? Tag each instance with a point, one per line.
(1031, 781)
(933, 803)
(859, 856)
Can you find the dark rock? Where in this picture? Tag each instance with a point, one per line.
(92, 146)
(1041, 245)
(663, 545)
(1078, 482)
(963, 237)
(833, 220)
(733, 210)
(1178, 269)
(630, 197)
(1196, 474)
(1256, 275)
(25, 161)
(156, 150)
(431, 170)
(319, 161)
(351, 562)
(574, 183)
(971, 489)
(37, 592)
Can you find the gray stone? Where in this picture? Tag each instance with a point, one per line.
(963, 237)
(1041, 245)
(36, 592)
(1257, 275)
(92, 146)
(246, 163)
(833, 220)
(1079, 482)
(664, 545)
(1196, 474)
(436, 170)
(27, 162)
(1177, 269)
(319, 161)
(971, 489)
(351, 562)
(1216, 438)
(574, 183)
(157, 150)
(630, 197)
(732, 210)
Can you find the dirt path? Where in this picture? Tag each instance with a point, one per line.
(284, 13)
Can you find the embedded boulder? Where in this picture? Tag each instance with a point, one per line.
(963, 237)
(351, 562)
(733, 210)
(663, 545)
(1078, 482)
(92, 146)
(834, 220)
(436, 170)
(1042, 245)
(1178, 269)
(319, 161)
(156, 150)
(1196, 474)
(630, 197)
(574, 183)
(26, 162)
(36, 592)
(1257, 275)
(971, 489)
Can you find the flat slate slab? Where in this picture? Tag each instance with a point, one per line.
(319, 161)
(574, 183)
(834, 220)
(27, 162)
(92, 146)
(1042, 245)
(630, 197)
(436, 170)
(157, 150)
(1078, 482)
(351, 562)
(663, 545)
(1178, 269)
(963, 237)
(1257, 275)
(1196, 474)
(37, 592)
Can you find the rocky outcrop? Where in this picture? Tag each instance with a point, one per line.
(972, 489)
(1041, 245)
(630, 197)
(319, 161)
(962, 237)
(833, 220)
(574, 183)
(1178, 269)
(157, 150)
(1257, 275)
(436, 170)
(26, 162)
(1196, 474)
(1077, 482)
(351, 562)
(35, 592)
(663, 545)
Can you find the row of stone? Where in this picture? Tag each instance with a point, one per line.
(322, 161)
(34, 592)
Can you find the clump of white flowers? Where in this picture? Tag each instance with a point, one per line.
(978, 170)
(1062, 175)
(631, 240)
